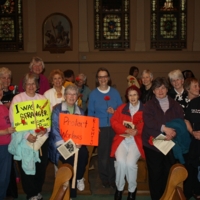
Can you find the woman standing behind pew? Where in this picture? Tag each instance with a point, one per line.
(5, 137)
(9, 91)
(157, 112)
(32, 164)
(103, 101)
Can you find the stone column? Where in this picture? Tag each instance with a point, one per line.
(196, 43)
(83, 26)
(31, 28)
(140, 42)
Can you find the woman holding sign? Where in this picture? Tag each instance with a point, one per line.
(56, 138)
(103, 101)
(32, 164)
(157, 112)
(127, 123)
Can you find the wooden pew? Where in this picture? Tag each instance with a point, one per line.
(61, 189)
(174, 187)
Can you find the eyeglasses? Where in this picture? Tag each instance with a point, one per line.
(101, 77)
(69, 94)
(30, 84)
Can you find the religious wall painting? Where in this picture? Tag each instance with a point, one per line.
(57, 33)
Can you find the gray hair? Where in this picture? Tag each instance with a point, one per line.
(147, 71)
(5, 70)
(36, 61)
(83, 76)
(71, 87)
(32, 76)
(175, 74)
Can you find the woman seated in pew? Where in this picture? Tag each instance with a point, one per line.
(55, 139)
(157, 112)
(127, 149)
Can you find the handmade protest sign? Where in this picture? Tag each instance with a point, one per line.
(29, 115)
(81, 129)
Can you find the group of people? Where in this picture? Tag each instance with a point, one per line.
(126, 130)
(32, 163)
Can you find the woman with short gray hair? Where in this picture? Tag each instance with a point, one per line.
(177, 91)
(68, 106)
(9, 90)
(37, 66)
(84, 91)
(32, 172)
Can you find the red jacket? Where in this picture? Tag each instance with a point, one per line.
(122, 113)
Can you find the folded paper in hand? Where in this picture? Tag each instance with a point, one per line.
(38, 143)
(163, 145)
(128, 124)
(67, 149)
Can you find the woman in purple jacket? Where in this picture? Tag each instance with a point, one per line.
(157, 111)
(37, 66)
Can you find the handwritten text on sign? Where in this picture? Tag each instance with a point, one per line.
(29, 115)
(81, 129)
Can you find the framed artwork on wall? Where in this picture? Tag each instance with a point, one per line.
(57, 33)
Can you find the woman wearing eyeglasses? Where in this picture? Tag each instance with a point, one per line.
(103, 101)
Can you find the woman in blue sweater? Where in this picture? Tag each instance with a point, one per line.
(103, 101)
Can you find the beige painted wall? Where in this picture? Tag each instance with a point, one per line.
(80, 12)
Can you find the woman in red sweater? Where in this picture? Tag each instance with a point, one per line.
(127, 123)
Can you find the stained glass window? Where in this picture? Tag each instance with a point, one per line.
(11, 27)
(112, 24)
(168, 24)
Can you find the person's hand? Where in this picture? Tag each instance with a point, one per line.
(41, 131)
(196, 134)
(170, 133)
(110, 110)
(31, 138)
(78, 146)
(131, 131)
(11, 130)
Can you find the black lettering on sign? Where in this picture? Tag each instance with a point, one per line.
(77, 123)
(27, 107)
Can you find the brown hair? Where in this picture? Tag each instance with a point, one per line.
(188, 82)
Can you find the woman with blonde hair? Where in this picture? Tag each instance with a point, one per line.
(146, 90)
(56, 94)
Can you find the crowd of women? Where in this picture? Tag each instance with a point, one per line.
(126, 130)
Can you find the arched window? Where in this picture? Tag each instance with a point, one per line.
(11, 28)
(168, 24)
(112, 24)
